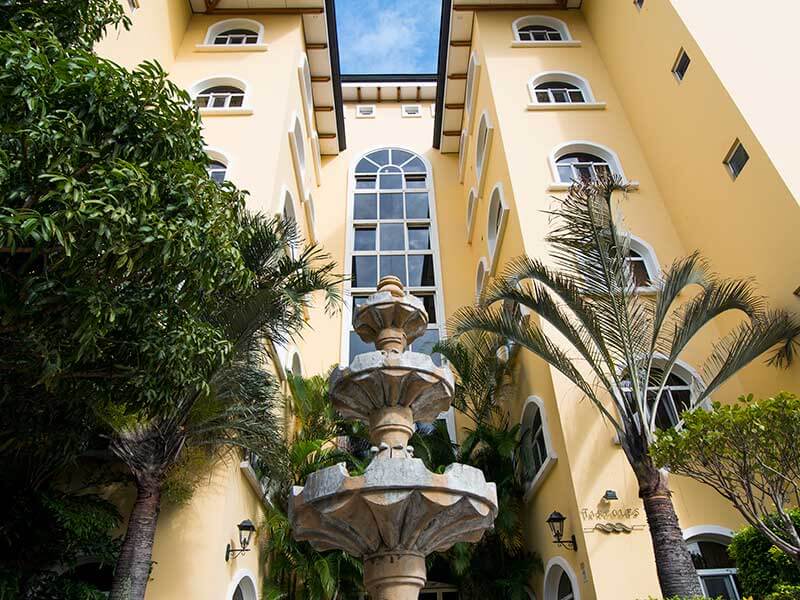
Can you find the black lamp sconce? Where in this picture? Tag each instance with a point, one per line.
(246, 529)
(610, 495)
(556, 523)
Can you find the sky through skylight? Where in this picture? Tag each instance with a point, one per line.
(388, 36)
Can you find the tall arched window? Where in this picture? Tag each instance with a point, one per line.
(495, 224)
(480, 277)
(483, 145)
(716, 569)
(538, 456)
(471, 89)
(559, 581)
(245, 588)
(289, 215)
(393, 232)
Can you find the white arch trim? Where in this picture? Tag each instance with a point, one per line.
(462, 154)
(481, 273)
(648, 253)
(204, 84)
(226, 25)
(471, 89)
(494, 243)
(535, 483)
(217, 154)
(715, 532)
(299, 154)
(552, 574)
(472, 211)
(556, 24)
(306, 91)
(248, 580)
(600, 150)
(482, 152)
(589, 103)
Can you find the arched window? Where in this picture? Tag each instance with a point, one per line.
(289, 215)
(535, 28)
(565, 588)
(472, 208)
(558, 92)
(220, 96)
(306, 90)
(480, 277)
(296, 365)
(462, 154)
(471, 89)
(716, 569)
(244, 589)
(677, 395)
(298, 148)
(235, 32)
(556, 89)
(583, 161)
(483, 144)
(537, 451)
(216, 170)
(496, 223)
(559, 581)
(393, 232)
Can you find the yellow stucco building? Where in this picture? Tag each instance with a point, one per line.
(528, 95)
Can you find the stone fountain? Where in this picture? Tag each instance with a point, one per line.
(397, 512)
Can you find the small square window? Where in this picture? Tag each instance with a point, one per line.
(736, 159)
(365, 111)
(411, 110)
(681, 65)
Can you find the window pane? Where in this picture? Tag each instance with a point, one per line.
(417, 206)
(392, 237)
(400, 156)
(564, 173)
(365, 166)
(542, 96)
(559, 95)
(365, 183)
(381, 157)
(394, 265)
(420, 270)
(415, 166)
(365, 271)
(449, 595)
(391, 206)
(358, 347)
(576, 96)
(365, 206)
(719, 586)
(365, 239)
(429, 301)
(236, 101)
(391, 181)
(419, 238)
(425, 343)
(218, 101)
(584, 172)
(416, 181)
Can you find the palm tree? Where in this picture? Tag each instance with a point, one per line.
(319, 439)
(627, 345)
(237, 407)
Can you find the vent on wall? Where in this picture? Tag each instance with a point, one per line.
(411, 110)
(365, 111)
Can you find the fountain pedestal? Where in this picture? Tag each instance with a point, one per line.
(397, 512)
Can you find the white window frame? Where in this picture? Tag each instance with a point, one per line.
(242, 575)
(404, 111)
(217, 155)
(306, 92)
(557, 24)
(648, 254)
(532, 485)
(481, 275)
(219, 27)
(472, 211)
(222, 80)
(552, 575)
(287, 196)
(311, 216)
(589, 101)
(316, 155)
(599, 150)
(299, 154)
(463, 141)
(675, 65)
(729, 156)
(482, 151)
(471, 89)
(364, 115)
(495, 230)
(712, 533)
(438, 289)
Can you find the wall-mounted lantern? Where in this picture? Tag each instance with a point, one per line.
(556, 523)
(246, 529)
(610, 495)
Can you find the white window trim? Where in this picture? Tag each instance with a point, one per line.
(715, 533)
(311, 216)
(553, 575)
(463, 141)
(316, 155)
(471, 89)
(600, 150)
(300, 163)
(566, 42)
(471, 212)
(480, 282)
(347, 313)
(216, 154)
(218, 80)
(220, 26)
(648, 254)
(495, 245)
(589, 103)
(482, 166)
(534, 484)
(306, 92)
(674, 69)
(240, 575)
(404, 111)
(360, 115)
(688, 373)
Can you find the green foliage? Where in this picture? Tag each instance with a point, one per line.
(785, 592)
(748, 452)
(77, 24)
(761, 566)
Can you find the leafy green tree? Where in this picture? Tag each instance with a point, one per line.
(624, 345)
(749, 453)
(238, 408)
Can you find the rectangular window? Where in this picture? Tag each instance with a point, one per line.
(736, 159)
(411, 110)
(681, 65)
(365, 111)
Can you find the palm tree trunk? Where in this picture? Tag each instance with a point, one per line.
(133, 566)
(676, 573)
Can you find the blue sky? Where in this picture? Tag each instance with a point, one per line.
(388, 36)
